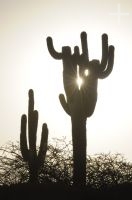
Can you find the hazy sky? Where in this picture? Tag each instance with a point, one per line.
(25, 63)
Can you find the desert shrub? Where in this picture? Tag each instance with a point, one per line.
(108, 170)
(58, 163)
(57, 166)
(102, 169)
(12, 167)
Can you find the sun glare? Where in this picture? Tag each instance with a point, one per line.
(79, 79)
(79, 82)
(86, 72)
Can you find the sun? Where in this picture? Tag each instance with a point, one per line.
(79, 80)
(86, 72)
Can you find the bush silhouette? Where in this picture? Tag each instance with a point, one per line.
(103, 170)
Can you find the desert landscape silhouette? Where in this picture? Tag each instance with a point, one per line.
(65, 170)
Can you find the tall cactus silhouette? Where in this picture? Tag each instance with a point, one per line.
(29, 152)
(80, 102)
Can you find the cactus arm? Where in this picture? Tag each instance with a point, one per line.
(31, 101)
(23, 138)
(110, 64)
(76, 54)
(64, 104)
(33, 136)
(30, 116)
(33, 122)
(43, 145)
(76, 51)
(51, 49)
(77, 60)
(83, 59)
(84, 45)
(104, 51)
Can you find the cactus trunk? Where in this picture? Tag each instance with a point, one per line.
(79, 150)
(33, 175)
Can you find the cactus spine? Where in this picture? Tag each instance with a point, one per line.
(29, 152)
(80, 103)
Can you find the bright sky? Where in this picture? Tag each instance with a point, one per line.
(26, 63)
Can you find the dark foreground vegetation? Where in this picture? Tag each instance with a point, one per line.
(60, 191)
(108, 176)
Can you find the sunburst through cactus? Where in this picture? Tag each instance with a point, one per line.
(79, 79)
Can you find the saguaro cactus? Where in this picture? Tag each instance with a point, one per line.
(29, 152)
(80, 102)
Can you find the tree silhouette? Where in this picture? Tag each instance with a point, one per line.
(35, 160)
(80, 102)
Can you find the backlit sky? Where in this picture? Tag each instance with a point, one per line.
(26, 63)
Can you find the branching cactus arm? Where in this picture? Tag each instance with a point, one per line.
(32, 124)
(51, 49)
(109, 66)
(23, 138)
(64, 104)
(104, 51)
(84, 45)
(85, 55)
(43, 144)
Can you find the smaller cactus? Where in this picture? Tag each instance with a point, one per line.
(29, 152)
